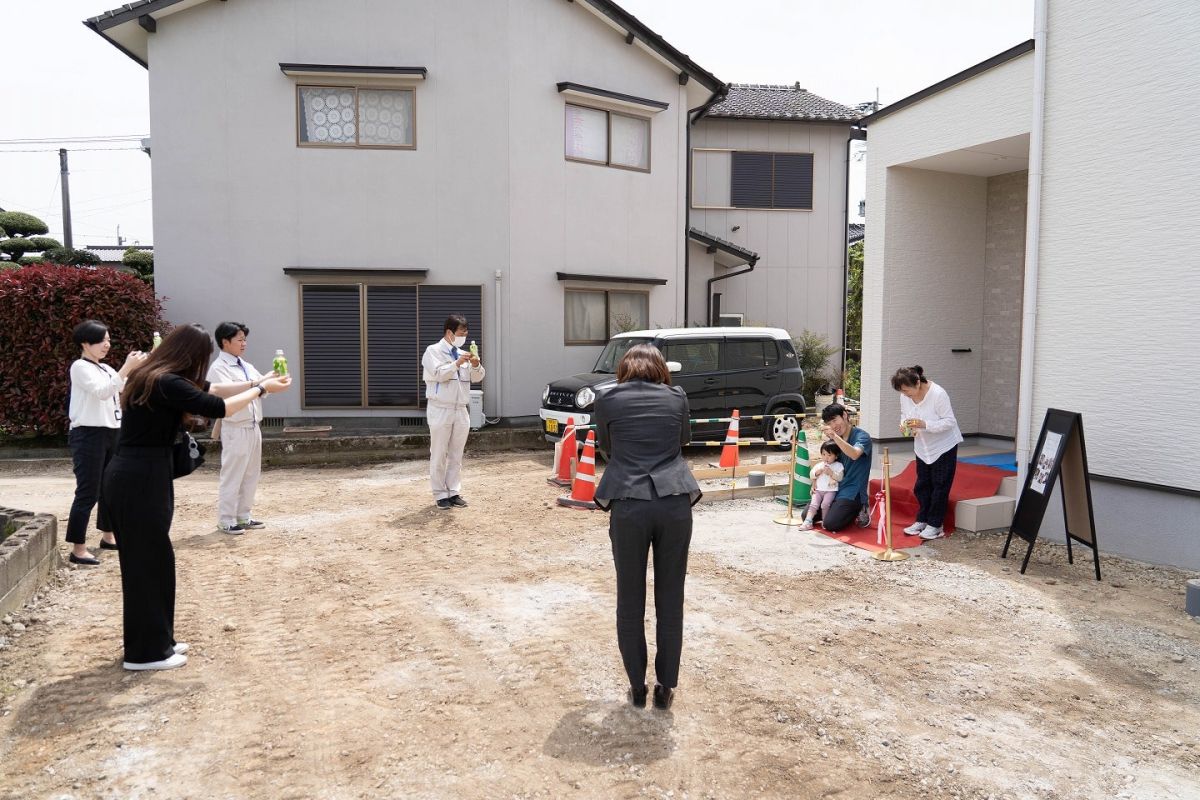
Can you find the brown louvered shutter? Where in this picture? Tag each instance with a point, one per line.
(392, 346)
(793, 181)
(332, 363)
(438, 302)
(750, 180)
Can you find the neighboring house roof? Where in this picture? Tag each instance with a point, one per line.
(127, 28)
(770, 101)
(715, 243)
(112, 254)
(953, 80)
(857, 231)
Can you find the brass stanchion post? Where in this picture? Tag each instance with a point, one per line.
(789, 519)
(889, 554)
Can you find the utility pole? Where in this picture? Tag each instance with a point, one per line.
(119, 240)
(66, 198)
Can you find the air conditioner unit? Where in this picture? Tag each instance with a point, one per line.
(730, 320)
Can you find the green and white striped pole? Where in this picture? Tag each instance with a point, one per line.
(802, 487)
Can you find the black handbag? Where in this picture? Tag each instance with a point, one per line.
(186, 454)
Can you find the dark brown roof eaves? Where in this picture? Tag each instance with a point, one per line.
(953, 80)
(772, 101)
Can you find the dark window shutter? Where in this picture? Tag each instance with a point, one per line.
(793, 181)
(332, 346)
(750, 180)
(392, 346)
(435, 303)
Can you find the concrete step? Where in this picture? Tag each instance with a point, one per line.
(1009, 487)
(984, 513)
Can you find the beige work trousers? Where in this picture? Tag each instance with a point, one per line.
(448, 429)
(241, 465)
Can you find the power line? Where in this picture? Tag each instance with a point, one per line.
(48, 140)
(70, 149)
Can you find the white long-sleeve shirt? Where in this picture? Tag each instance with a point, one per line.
(95, 395)
(230, 369)
(941, 428)
(448, 385)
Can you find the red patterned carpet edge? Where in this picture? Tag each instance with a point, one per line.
(970, 481)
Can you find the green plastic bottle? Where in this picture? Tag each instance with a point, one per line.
(156, 340)
(474, 349)
(279, 364)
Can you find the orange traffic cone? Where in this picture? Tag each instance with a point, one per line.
(729, 453)
(583, 492)
(567, 451)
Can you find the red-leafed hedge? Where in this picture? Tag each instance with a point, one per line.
(39, 307)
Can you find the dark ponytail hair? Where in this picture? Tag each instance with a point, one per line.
(909, 376)
(185, 352)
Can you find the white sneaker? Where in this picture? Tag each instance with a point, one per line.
(181, 648)
(173, 662)
(806, 525)
(915, 528)
(931, 533)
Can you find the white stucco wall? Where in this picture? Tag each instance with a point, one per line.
(1117, 331)
(798, 282)
(924, 257)
(235, 200)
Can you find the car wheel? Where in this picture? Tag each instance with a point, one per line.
(782, 428)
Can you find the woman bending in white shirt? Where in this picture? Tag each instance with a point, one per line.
(95, 413)
(926, 414)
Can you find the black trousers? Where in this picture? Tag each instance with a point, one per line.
(91, 450)
(636, 526)
(842, 513)
(933, 487)
(141, 499)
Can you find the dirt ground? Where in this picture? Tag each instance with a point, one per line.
(367, 645)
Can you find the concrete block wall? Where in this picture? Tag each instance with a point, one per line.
(1004, 272)
(27, 557)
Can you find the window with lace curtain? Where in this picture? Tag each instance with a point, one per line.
(355, 116)
(593, 316)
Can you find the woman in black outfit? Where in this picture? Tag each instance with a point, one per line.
(642, 424)
(139, 486)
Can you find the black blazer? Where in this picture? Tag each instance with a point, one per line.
(642, 426)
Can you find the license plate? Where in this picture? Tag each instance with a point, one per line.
(551, 426)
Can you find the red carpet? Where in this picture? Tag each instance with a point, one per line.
(970, 481)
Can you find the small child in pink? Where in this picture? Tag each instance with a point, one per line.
(825, 477)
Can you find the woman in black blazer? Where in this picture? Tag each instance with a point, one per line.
(642, 423)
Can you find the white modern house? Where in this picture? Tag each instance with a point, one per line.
(1033, 238)
(769, 177)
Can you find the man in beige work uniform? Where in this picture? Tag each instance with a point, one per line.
(240, 434)
(449, 370)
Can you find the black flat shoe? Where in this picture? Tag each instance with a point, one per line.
(106, 546)
(663, 697)
(637, 697)
(87, 561)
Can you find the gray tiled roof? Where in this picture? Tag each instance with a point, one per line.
(769, 101)
(857, 231)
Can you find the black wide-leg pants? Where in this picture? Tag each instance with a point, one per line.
(933, 487)
(635, 527)
(141, 500)
(92, 449)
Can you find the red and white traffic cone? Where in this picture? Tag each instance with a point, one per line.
(839, 397)
(567, 451)
(583, 491)
(729, 453)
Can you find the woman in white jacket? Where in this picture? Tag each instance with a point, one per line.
(926, 414)
(95, 413)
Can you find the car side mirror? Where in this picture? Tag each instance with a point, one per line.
(674, 366)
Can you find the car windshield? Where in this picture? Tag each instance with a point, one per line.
(614, 351)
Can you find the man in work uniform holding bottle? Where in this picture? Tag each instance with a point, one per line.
(449, 370)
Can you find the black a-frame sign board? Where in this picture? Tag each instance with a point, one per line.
(1060, 456)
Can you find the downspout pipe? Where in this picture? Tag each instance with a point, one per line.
(1033, 219)
(694, 116)
(713, 280)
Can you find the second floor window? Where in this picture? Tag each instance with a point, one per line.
(771, 180)
(355, 116)
(608, 138)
